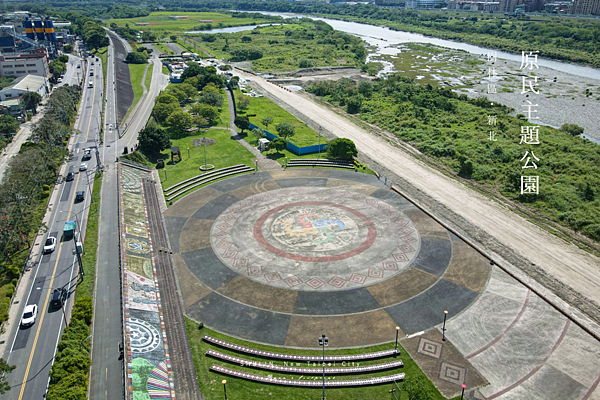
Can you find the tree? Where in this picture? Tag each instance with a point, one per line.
(211, 88)
(189, 90)
(173, 38)
(573, 129)
(179, 121)
(266, 121)
(162, 110)
(213, 99)
(258, 133)
(67, 48)
(206, 111)
(234, 81)
(31, 100)
(285, 130)
(342, 148)
(63, 58)
(192, 70)
(136, 57)
(305, 63)
(243, 103)
(242, 123)
(166, 98)
(177, 93)
(4, 369)
(153, 139)
(278, 145)
(417, 388)
(353, 104)
(8, 124)
(365, 88)
(246, 39)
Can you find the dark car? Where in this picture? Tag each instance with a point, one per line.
(59, 296)
(70, 176)
(80, 196)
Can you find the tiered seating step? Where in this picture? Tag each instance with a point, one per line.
(207, 180)
(190, 181)
(291, 357)
(306, 371)
(314, 382)
(315, 162)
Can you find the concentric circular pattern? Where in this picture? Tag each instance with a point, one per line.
(144, 338)
(341, 240)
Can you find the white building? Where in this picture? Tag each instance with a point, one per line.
(24, 84)
(24, 64)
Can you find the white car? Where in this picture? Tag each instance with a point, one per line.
(29, 315)
(59, 80)
(83, 167)
(50, 244)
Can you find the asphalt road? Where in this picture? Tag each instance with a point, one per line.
(107, 377)
(32, 349)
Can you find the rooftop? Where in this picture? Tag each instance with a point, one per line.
(27, 83)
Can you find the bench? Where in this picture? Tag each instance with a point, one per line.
(176, 186)
(305, 371)
(205, 181)
(314, 381)
(291, 357)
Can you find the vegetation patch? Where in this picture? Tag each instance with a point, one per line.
(453, 130)
(297, 44)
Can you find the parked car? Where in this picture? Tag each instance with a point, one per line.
(59, 296)
(83, 167)
(86, 154)
(29, 315)
(80, 196)
(70, 176)
(50, 244)
(91, 73)
(59, 80)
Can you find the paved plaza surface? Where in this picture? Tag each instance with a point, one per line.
(281, 257)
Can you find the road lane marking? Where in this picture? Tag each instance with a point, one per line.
(37, 334)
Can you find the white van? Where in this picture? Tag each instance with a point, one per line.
(91, 84)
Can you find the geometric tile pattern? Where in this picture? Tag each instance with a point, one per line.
(430, 348)
(452, 373)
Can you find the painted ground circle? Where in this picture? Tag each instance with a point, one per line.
(315, 239)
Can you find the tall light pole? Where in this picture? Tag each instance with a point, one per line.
(444, 326)
(323, 341)
(320, 142)
(224, 382)
(397, 331)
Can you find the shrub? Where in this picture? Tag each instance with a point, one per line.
(305, 63)
(342, 148)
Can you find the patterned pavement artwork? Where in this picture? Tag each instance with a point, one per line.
(343, 241)
(147, 356)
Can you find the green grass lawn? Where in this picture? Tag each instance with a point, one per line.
(210, 382)
(163, 49)
(224, 114)
(263, 107)
(193, 22)
(148, 80)
(136, 72)
(86, 287)
(192, 49)
(225, 153)
(165, 70)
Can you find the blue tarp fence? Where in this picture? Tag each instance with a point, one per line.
(292, 147)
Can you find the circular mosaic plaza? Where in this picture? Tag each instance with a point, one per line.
(319, 239)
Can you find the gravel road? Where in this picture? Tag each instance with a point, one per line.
(568, 271)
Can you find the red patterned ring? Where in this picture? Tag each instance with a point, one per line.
(371, 236)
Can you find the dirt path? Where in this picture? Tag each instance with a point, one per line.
(556, 258)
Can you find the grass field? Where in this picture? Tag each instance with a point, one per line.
(136, 72)
(210, 382)
(225, 153)
(149, 76)
(263, 107)
(193, 22)
(163, 49)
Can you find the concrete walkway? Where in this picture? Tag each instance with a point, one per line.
(262, 162)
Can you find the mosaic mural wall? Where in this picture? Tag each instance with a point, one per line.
(148, 366)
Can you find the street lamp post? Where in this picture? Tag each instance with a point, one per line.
(397, 331)
(444, 326)
(323, 341)
(224, 388)
(463, 391)
(204, 143)
(320, 142)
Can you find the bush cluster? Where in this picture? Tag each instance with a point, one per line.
(69, 375)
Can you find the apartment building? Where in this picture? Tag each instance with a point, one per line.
(24, 64)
